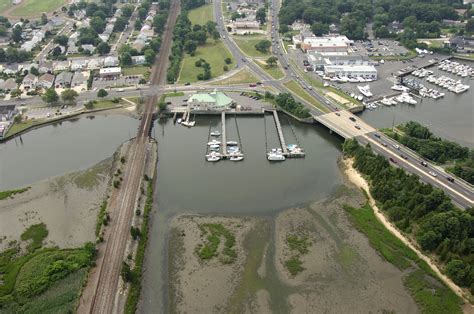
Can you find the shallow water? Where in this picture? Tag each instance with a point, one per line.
(63, 147)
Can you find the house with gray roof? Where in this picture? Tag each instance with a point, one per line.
(63, 80)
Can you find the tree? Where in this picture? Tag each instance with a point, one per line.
(50, 96)
(459, 272)
(470, 25)
(61, 40)
(190, 46)
(235, 15)
(102, 93)
(44, 19)
(319, 29)
(126, 272)
(272, 61)
(97, 24)
(120, 24)
(261, 15)
(34, 71)
(142, 13)
(16, 34)
(263, 46)
(103, 48)
(15, 93)
(126, 59)
(127, 11)
(228, 60)
(149, 56)
(69, 96)
(138, 25)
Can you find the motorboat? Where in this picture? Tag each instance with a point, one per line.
(236, 158)
(189, 124)
(179, 120)
(386, 102)
(232, 143)
(215, 133)
(365, 90)
(275, 157)
(214, 142)
(214, 147)
(360, 97)
(400, 88)
(213, 156)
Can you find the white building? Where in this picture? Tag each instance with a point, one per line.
(326, 44)
(110, 72)
(366, 71)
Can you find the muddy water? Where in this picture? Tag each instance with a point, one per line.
(254, 187)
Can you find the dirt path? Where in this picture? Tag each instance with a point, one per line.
(356, 178)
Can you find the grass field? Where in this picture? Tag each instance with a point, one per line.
(241, 77)
(213, 53)
(36, 7)
(4, 4)
(247, 44)
(274, 72)
(202, 14)
(299, 91)
(136, 70)
(430, 294)
(18, 127)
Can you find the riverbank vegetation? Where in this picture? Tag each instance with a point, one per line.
(421, 211)
(210, 249)
(420, 139)
(11, 193)
(42, 279)
(430, 294)
(136, 274)
(298, 245)
(288, 103)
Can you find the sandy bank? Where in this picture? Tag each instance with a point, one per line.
(67, 204)
(203, 286)
(356, 178)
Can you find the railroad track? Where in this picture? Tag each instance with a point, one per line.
(106, 298)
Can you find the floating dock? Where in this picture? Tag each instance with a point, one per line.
(280, 133)
(224, 137)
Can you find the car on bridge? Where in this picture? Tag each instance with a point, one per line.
(423, 163)
(432, 173)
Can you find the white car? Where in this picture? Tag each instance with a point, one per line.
(396, 146)
(433, 173)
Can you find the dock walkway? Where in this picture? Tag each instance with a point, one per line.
(224, 138)
(280, 132)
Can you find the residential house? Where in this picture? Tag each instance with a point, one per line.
(72, 49)
(9, 85)
(60, 66)
(78, 64)
(29, 81)
(139, 43)
(111, 61)
(45, 81)
(63, 80)
(95, 63)
(78, 79)
(45, 67)
(138, 60)
(89, 48)
(11, 68)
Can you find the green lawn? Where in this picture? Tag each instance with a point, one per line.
(299, 91)
(202, 14)
(4, 4)
(241, 77)
(213, 53)
(274, 72)
(247, 44)
(107, 103)
(36, 7)
(18, 127)
(136, 70)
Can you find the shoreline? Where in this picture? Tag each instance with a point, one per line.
(357, 179)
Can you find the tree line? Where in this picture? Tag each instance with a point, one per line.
(420, 139)
(352, 15)
(288, 103)
(422, 211)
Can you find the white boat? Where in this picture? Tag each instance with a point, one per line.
(215, 133)
(214, 142)
(214, 147)
(232, 143)
(179, 120)
(386, 101)
(188, 123)
(400, 88)
(213, 158)
(236, 158)
(360, 97)
(275, 157)
(365, 90)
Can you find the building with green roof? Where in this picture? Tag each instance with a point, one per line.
(210, 101)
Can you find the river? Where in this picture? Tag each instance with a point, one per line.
(63, 147)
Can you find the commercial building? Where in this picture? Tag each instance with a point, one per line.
(210, 101)
(326, 44)
(366, 71)
(110, 72)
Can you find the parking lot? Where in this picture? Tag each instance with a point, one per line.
(382, 48)
(122, 81)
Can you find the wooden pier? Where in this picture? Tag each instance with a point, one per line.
(224, 138)
(280, 133)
